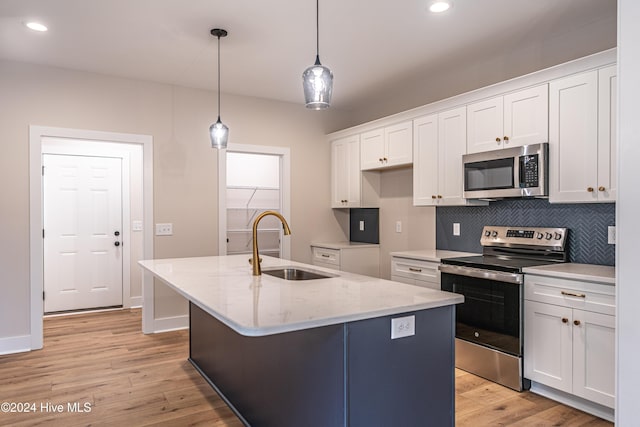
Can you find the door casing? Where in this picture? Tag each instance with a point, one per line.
(36, 136)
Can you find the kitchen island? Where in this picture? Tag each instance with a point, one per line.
(317, 352)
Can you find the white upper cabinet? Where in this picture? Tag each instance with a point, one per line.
(582, 138)
(516, 119)
(452, 138)
(425, 161)
(387, 147)
(345, 172)
(607, 136)
(438, 145)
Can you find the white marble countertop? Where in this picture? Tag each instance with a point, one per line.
(434, 255)
(344, 245)
(264, 305)
(586, 272)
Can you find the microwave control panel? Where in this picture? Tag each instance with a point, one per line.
(529, 171)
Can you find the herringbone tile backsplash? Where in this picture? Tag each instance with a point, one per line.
(587, 224)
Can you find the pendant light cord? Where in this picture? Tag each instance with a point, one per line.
(318, 28)
(218, 78)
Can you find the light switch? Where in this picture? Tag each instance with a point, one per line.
(398, 226)
(361, 225)
(456, 228)
(165, 229)
(136, 226)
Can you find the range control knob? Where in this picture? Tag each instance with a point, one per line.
(539, 235)
(487, 233)
(548, 236)
(557, 236)
(494, 234)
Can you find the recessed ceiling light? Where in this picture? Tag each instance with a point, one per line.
(36, 26)
(439, 6)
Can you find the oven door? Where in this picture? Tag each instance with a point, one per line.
(492, 310)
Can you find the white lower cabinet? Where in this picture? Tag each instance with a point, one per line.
(569, 337)
(415, 272)
(350, 258)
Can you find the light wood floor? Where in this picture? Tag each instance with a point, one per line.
(131, 379)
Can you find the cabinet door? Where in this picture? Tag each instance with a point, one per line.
(607, 150)
(548, 345)
(452, 142)
(372, 149)
(425, 160)
(526, 117)
(594, 357)
(398, 142)
(573, 138)
(345, 172)
(485, 125)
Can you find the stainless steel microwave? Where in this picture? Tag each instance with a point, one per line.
(510, 172)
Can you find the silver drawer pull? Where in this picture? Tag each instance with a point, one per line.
(325, 255)
(571, 294)
(417, 270)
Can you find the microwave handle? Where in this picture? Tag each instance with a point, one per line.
(518, 172)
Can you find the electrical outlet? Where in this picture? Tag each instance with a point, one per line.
(136, 226)
(165, 229)
(361, 225)
(456, 228)
(403, 327)
(611, 234)
(398, 226)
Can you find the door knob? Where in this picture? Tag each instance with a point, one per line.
(565, 320)
(498, 140)
(506, 138)
(117, 233)
(576, 322)
(590, 189)
(116, 243)
(601, 188)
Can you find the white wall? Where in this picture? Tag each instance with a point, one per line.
(628, 212)
(185, 167)
(396, 204)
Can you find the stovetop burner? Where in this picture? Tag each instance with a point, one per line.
(511, 249)
(510, 265)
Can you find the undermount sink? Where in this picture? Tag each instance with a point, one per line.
(295, 273)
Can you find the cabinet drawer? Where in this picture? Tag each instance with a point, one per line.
(326, 256)
(595, 297)
(425, 271)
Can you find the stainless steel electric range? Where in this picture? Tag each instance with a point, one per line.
(489, 324)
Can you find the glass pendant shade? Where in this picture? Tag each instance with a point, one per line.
(219, 135)
(317, 82)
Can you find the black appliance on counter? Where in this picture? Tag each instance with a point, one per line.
(489, 324)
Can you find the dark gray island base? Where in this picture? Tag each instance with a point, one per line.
(350, 374)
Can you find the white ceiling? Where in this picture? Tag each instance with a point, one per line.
(367, 44)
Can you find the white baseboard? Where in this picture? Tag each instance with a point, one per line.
(135, 302)
(573, 401)
(166, 324)
(12, 345)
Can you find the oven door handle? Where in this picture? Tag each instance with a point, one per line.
(499, 276)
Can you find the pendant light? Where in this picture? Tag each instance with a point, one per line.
(317, 80)
(219, 131)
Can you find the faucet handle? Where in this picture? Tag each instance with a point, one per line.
(251, 261)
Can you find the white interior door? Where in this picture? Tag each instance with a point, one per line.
(82, 232)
